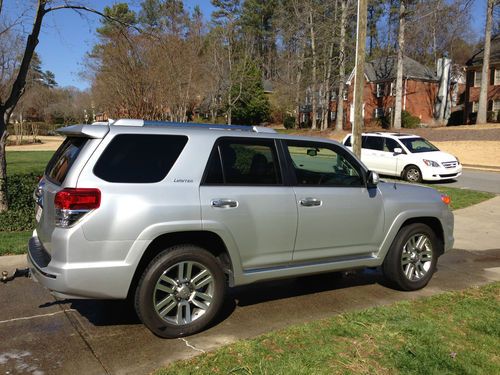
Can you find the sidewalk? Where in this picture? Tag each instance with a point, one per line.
(478, 227)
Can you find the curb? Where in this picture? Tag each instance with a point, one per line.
(489, 168)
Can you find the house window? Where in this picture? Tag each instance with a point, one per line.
(496, 105)
(393, 89)
(474, 107)
(477, 79)
(496, 80)
(378, 112)
(344, 95)
(380, 90)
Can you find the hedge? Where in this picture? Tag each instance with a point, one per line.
(21, 214)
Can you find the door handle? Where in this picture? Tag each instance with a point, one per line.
(310, 202)
(224, 203)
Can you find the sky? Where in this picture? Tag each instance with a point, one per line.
(66, 37)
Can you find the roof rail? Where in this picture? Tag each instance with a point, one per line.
(138, 122)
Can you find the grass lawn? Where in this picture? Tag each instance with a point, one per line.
(14, 242)
(22, 162)
(452, 333)
(461, 198)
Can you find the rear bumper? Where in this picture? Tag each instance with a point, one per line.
(99, 280)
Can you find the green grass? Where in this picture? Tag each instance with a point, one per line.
(461, 198)
(14, 242)
(452, 333)
(23, 162)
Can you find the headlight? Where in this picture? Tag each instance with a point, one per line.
(458, 161)
(430, 163)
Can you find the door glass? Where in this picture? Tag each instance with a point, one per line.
(390, 145)
(318, 165)
(243, 162)
(373, 143)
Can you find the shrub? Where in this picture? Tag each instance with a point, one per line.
(289, 122)
(384, 121)
(456, 118)
(491, 116)
(21, 206)
(408, 121)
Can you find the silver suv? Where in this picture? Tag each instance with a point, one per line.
(170, 214)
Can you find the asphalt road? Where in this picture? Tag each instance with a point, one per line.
(39, 335)
(476, 180)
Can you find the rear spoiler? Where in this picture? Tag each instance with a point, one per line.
(89, 131)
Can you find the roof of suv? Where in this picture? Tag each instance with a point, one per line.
(100, 129)
(392, 134)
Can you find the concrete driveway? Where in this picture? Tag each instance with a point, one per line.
(40, 335)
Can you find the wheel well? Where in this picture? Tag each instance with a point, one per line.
(408, 166)
(208, 240)
(434, 224)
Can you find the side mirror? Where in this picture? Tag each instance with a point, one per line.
(398, 151)
(373, 179)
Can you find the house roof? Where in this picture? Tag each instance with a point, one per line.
(478, 57)
(385, 68)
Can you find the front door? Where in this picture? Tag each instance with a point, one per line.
(339, 216)
(243, 196)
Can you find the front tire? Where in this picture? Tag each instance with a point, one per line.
(412, 173)
(412, 257)
(180, 292)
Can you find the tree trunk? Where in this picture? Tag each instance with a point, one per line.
(314, 70)
(359, 78)
(340, 96)
(4, 204)
(398, 105)
(483, 92)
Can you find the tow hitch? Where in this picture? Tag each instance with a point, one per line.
(23, 272)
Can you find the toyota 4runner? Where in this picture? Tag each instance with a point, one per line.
(170, 214)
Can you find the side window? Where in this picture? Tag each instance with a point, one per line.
(373, 143)
(243, 162)
(134, 158)
(323, 164)
(347, 142)
(390, 145)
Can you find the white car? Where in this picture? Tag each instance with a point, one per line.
(406, 155)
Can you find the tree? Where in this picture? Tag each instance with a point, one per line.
(252, 107)
(11, 95)
(483, 91)
(342, 63)
(398, 101)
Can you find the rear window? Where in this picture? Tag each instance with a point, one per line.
(132, 158)
(63, 159)
(373, 143)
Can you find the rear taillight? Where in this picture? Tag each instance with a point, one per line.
(72, 204)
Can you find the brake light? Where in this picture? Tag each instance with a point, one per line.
(446, 199)
(78, 199)
(73, 204)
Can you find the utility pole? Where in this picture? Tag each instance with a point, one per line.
(398, 100)
(359, 77)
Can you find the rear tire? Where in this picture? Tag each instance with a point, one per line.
(412, 173)
(412, 257)
(180, 292)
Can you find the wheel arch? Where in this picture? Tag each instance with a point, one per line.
(208, 240)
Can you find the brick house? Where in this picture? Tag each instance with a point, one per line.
(473, 81)
(420, 87)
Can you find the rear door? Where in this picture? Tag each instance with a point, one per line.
(243, 194)
(372, 152)
(338, 215)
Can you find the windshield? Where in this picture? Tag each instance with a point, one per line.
(416, 145)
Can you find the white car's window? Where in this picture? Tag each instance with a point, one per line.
(416, 145)
(390, 145)
(373, 143)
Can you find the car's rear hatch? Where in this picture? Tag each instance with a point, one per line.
(62, 172)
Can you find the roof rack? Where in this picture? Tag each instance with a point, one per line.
(138, 122)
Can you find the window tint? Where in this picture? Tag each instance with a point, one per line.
(136, 158)
(244, 162)
(60, 164)
(323, 165)
(373, 143)
(390, 145)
